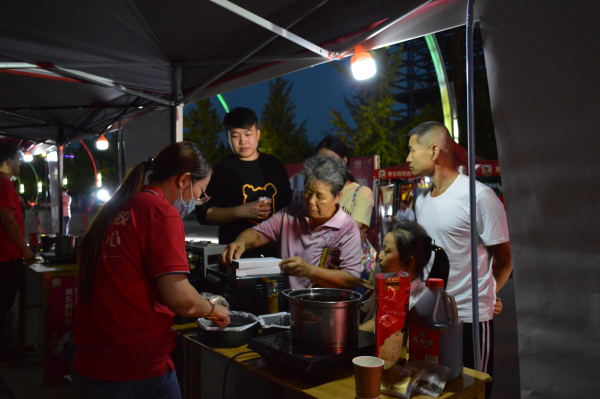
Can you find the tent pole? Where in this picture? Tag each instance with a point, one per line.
(472, 193)
(204, 85)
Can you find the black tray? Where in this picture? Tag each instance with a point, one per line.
(230, 339)
(52, 259)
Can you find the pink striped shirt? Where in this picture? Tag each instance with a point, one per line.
(290, 231)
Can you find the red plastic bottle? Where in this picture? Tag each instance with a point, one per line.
(435, 333)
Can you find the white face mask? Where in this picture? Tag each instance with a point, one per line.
(181, 207)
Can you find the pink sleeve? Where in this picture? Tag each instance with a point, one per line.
(350, 248)
(270, 229)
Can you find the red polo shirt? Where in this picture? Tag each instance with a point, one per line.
(125, 333)
(10, 199)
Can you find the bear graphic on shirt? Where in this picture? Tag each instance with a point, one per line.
(253, 194)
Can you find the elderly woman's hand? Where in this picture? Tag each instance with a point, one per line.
(233, 251)
(296, 266)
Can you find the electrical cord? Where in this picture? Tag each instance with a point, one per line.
(227, 368)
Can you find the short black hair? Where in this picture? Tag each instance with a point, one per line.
(425, 128)
(240, 117)
(8, 151)
(336, 145)
(405, 202)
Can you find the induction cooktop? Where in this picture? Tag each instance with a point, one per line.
(279, 347)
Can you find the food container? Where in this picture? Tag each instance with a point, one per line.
(243, 327)
(324, 317)
(275, 323)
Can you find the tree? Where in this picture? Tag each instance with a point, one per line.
(371, 108)
(203, 126)
(280, 135)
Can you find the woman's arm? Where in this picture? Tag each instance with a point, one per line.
(326, 278)
(183, 299)
(248, 239)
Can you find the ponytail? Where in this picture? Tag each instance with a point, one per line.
(441, 265)
(173, 160)
(89, 248)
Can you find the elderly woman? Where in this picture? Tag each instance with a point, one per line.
(303, 233)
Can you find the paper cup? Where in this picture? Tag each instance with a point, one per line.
(367, 376)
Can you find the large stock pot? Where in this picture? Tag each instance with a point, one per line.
(324, 317)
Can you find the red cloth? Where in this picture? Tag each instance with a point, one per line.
(10, 199)
(125, 333)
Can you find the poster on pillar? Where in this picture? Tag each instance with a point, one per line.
(62, 297)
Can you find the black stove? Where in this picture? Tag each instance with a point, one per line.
(280, 347)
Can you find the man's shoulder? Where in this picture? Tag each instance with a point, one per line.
(270, 160)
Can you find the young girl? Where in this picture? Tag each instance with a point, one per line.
(408, 248)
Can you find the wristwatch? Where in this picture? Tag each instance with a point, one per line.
(211, 310)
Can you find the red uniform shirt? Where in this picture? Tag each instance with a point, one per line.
(125, 333)
(10, 199)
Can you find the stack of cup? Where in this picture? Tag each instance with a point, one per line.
(367, 376)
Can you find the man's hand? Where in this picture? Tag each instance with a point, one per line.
(29, 257)
(296, 266)
(255, 210)
(220, 316)
(497, 307)
(233, 251)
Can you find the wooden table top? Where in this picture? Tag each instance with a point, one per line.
(335, 382)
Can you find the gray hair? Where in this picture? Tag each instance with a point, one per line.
(329, 170)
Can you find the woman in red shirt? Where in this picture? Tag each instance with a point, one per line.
(133, 279)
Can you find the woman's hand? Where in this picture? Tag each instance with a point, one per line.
(296, 266)
(233, 251)
(220, 316)
(497, 307)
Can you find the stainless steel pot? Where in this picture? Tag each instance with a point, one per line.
(324, 317)
(66, 245)
(48, 241)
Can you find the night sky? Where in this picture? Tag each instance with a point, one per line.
(315, 91)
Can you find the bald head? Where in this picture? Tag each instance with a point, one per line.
(434, 133)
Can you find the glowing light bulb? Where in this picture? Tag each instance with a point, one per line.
(362, 64)
(102, 143)
(27, 157)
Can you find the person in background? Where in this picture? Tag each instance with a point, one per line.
(404, 213)
(66, 202)
(85, 210)
(444, 211)
(14, 252)
(248, 186)
(318, 242)
(408, 248)
(38, 228)
(133, 278)
(356, 200)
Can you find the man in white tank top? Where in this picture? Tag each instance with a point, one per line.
(443, 210)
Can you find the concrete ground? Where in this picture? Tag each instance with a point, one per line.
(25, 378)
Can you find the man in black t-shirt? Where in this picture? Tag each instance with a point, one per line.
(240, 179)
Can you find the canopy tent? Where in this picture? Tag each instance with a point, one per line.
(72, 71)
(152, 53)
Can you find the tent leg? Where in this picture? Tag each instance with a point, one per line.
(176, 115)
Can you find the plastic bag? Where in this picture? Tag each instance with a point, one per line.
(240, 321)
(216, 299)
(400, 380)
(433, 379)
(281, 320)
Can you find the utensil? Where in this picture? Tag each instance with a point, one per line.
(325, 318)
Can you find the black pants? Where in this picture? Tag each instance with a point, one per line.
(486, 354)
(10, 277)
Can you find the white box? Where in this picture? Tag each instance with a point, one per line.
(262, 271)
(255, 263)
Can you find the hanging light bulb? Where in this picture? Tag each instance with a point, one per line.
(99, 184)
(65, 181)
(27, 157)
(102, 143)
(362, 64)
(52, 156)
(22, 188)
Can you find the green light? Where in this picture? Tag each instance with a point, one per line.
(223, 103)
(440, 71)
